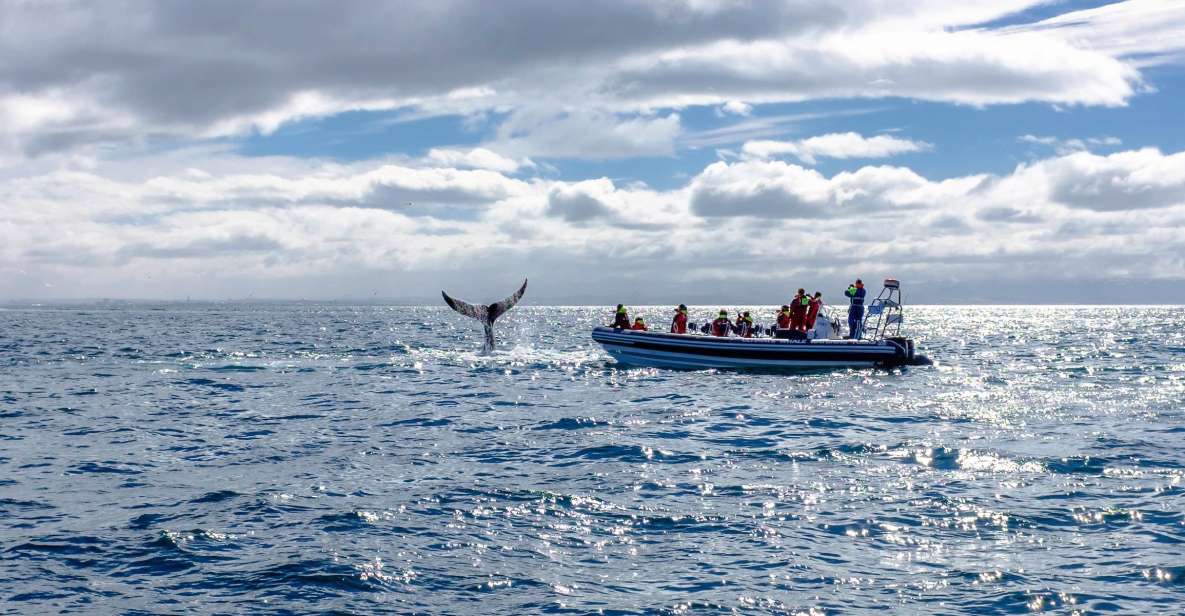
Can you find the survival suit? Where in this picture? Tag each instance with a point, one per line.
(721, 326)
(679, 323)
(856, 310)
(621, 320)
(812, 313)
(744, 327)
(798, 309)
(784, 318)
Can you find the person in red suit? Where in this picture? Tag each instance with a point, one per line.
(744, 325)
(812, 310)
(798, 310)
(784, 317)
(721, 325)
(639, 324)
(679, 323)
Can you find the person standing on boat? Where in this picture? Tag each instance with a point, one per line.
(639, 324)
(721, 325)
(621, 319)
(798, 310)
(812, 311)
(856, 293)
(679, 323)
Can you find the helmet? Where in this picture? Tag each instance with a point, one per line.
(723, 312)
(785, 307)
(620, 309)
(682, 308)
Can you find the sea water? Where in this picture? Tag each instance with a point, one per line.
(301, 458)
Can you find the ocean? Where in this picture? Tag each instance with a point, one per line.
(300, 458)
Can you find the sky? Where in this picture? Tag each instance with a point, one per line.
(637, 151)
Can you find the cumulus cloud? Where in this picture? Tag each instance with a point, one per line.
(577, 203)
(775, 189)
(178, 219)
(476, 158)
(1131, 180)
(835, 145)
(739, 108)
(115, 163)
(74, 74)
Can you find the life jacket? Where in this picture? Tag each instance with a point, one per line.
(639, 326)
(784, 319)
(798, 307)
(621, 320)
(720, 327)
(812, 313)
(679, 323)
(856, 294)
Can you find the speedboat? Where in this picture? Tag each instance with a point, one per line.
(882, 346)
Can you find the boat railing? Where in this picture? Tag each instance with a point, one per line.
(885, 313)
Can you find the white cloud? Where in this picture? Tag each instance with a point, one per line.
(76, 74)
(835, 145)
(1073, 144)
(739, 108)
(1123, 181)
(968, 67)
(212, 223)
(476, 158)
(1147, 32)
(587, 134)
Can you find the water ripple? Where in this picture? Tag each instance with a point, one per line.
(293, 458)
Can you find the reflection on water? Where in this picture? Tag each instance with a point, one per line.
(227, 458)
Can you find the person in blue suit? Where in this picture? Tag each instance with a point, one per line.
(856, 293)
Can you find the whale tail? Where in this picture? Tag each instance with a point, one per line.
(486, 314)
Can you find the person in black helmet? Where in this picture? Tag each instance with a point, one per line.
(679, 323)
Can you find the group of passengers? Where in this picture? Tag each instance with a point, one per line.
(798, 316)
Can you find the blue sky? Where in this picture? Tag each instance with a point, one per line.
(985, 151)
(973, 139)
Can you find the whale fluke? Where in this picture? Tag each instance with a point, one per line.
(486, 314)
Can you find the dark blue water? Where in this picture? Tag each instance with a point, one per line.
(363, 459)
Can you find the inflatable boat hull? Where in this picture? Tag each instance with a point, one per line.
(691, 352)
